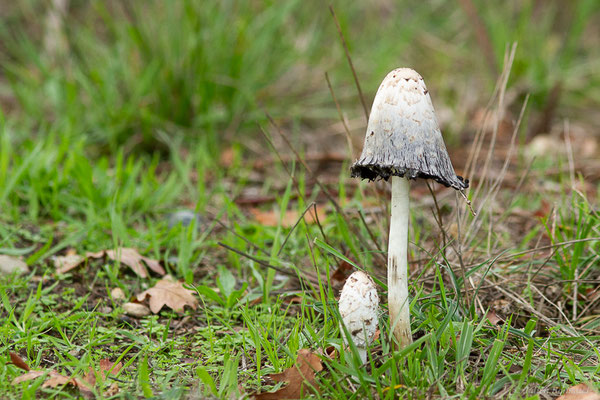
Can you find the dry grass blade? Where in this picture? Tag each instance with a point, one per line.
(360, 93)
(481, 34)
(342, 119)
(326, 192)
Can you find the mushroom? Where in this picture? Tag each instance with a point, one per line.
(358, 307)
(403, 141)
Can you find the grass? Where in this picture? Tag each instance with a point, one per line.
(149, 110)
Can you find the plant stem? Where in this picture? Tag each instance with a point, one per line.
(398, 304)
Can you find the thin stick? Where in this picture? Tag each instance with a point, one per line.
(482, 36)
(458, 250)
(569, 152)
(339, 110)
(296, 184)
(439, 216)
(266, 264)
(329, 196)
(362, 218)
(256, 247)
(360, 93)
(287, 237)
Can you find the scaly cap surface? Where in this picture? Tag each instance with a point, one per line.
(403, 137)
(358, 306)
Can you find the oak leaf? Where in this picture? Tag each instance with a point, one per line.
(170, 293)
(300, 378)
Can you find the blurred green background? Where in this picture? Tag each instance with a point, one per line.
(133, 75)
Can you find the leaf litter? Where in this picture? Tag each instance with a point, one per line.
(125, 255)
(583, 391)
(300, 378)
(168, 292)
(54, 379)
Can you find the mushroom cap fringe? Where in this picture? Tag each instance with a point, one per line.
(403, 136)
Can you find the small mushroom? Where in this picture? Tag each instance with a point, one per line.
(358, 305)
(403, 141)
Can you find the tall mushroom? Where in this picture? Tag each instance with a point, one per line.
(403, 141)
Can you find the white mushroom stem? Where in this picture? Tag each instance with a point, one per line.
(398, 303)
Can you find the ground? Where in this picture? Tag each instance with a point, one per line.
(208, 139)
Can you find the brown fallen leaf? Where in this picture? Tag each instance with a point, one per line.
(66, 263)
(105, 367)
(170, 293)
(54, 379)
(126, 255)
(18, 362)
(300, 378)
(493, 318)
(227, 157)
(583, 391)
(133, 260)
(289, 218)
(343, 271)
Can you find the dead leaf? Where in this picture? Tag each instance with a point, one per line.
(10, 264)
(493, 317)
(54, 379)
(105, 367)
(126, 255)
(170, 293)
(342, 272)
(32, 374)
(583, 391)
(18, 362)
(133, 260)
(289, 218)
(66, 263)
(227, 157)
(300, 378)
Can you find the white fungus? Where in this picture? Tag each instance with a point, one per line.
(404, 142)
(358, 306)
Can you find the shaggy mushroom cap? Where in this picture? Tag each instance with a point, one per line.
(403, 137)
(358, 307)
